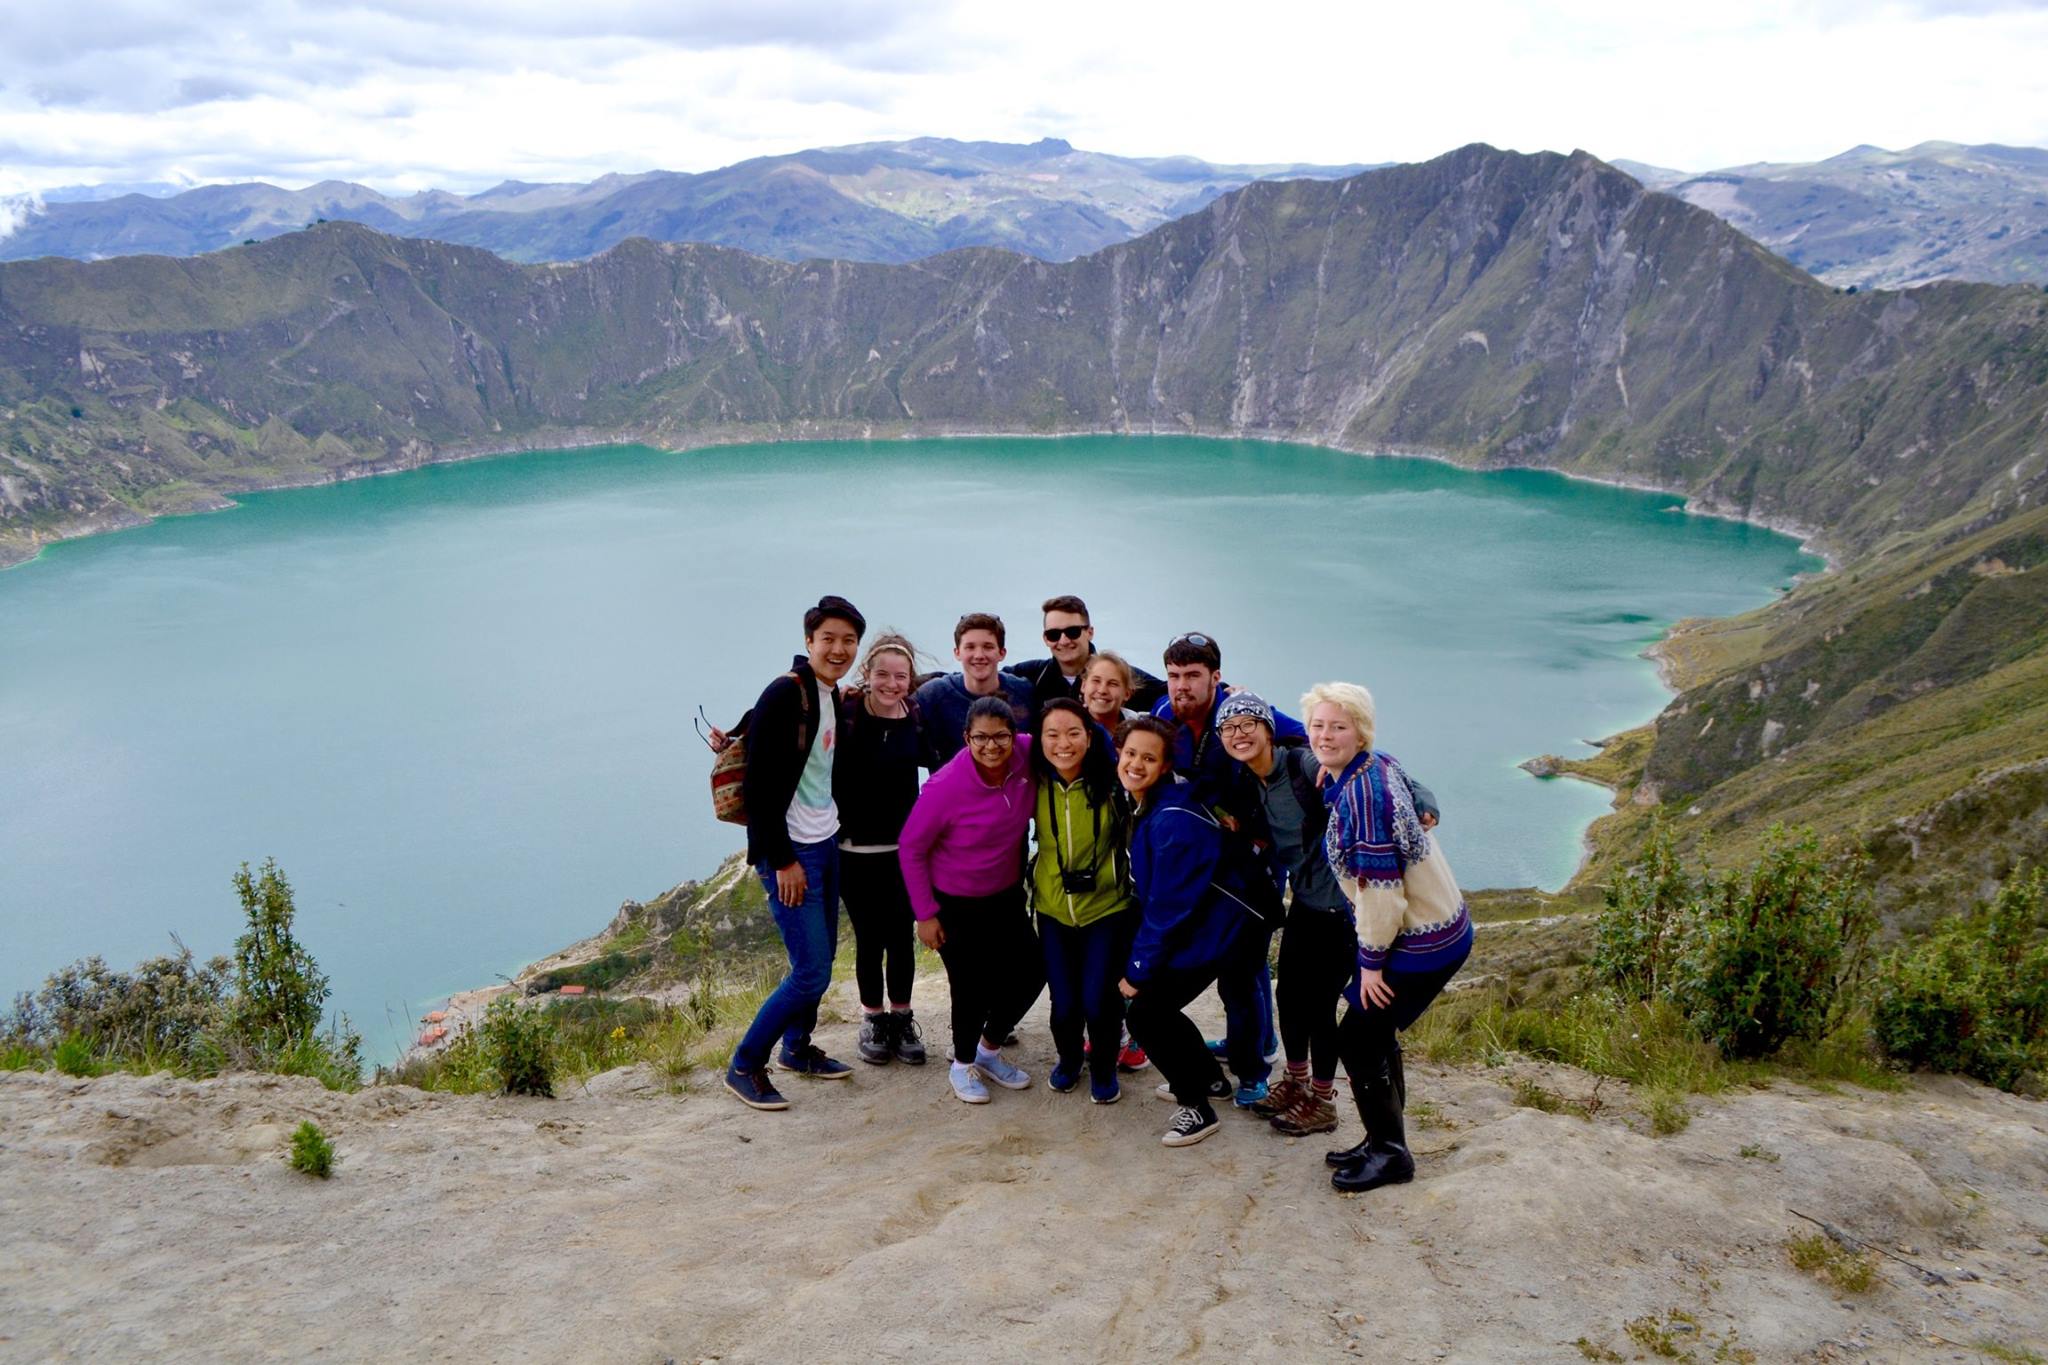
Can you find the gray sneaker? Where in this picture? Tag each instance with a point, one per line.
(905, 1037)
(877, 1039)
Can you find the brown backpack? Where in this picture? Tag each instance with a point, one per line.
(729, 759)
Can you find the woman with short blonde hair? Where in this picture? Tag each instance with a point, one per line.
(1414, 932)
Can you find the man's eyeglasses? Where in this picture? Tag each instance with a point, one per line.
(1054, 634)
(990, 741)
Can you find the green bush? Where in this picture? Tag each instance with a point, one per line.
(311, 1153)
(1774, 953)
(1638, 932)
(520, 1046)
(279, 989)
(166, 1014)
(1973, 996)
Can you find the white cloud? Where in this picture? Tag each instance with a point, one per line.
(461, 93)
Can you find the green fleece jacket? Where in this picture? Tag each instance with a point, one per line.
(1069, 830)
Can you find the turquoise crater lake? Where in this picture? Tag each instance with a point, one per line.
(454, 704)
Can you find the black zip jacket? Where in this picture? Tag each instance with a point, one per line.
(780, 732)
(1048, 682)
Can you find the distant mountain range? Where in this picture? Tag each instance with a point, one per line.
(1875, 218)
(1869, 217)
(882, 201)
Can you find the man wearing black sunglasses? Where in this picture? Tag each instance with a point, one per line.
(1070, 635)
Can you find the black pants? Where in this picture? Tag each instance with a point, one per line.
(877, 905)
(994, 965)
(1159, 1021)
(1082, 967)
(1366, 1036)
(1318, 956)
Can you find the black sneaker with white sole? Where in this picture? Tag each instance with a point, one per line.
(877, 1039)
(1190, 1125)
(754, 1089)
(906, 1037)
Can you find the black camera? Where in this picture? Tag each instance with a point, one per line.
(1078, 883)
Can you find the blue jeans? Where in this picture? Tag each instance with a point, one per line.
(1082, 967)
(1246, 989)
(810, 934)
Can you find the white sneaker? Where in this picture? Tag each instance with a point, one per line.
(1001, 1072)
(967, 1086)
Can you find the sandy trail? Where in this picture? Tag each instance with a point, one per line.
(880, 1219)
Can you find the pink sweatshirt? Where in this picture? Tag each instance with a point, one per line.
(965, 837)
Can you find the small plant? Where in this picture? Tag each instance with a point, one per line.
(1653, 1334)
(311, 1153)
(1530, 1095)
(19, 1057)
(1637, 934)
(1972, 997)
(1755, 1151)
(74, 1056)
(1429, 1114)
(2018, 1355)
(278, 988)
(1667, 1112)
(1822, 1257)
(519, 1044)
(1594, 1351)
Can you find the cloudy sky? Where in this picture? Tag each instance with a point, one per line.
(463, 93)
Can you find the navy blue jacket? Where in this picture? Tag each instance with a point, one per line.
(1208, 765)
(942, 707)
(780, 731)
(1192, 901)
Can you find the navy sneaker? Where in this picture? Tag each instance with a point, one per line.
(1105, 1092)
(1064, 1077)
(754, 1088)
(812, 1062)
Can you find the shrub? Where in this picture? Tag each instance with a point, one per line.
(1774, 953)
(165, 1014)
(311, 1153)
(1826, 1259)
(520, 1046)
(1973, 996)
(1637, 933)
(279, 989)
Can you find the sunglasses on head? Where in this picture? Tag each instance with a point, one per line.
(1193, 637)
(1054, 634)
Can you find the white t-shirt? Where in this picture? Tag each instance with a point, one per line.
(813, 814)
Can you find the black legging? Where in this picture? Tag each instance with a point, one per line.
(994, 965)
(877, 905)
(1160, 1023)
(1318, 955)
(1366, 1037)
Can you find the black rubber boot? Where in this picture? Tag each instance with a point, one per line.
(1352, 1155)
(1399, 1072)
(1386, 1160)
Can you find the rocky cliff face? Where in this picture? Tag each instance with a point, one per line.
(1492, 307)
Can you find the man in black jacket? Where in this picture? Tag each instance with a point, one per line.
(792, 841)
(1070, 635)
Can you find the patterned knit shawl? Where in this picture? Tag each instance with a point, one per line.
(1373, 832)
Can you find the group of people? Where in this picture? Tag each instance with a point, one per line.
(1119, 841)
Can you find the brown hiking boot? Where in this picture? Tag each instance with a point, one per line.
(1310, 1115)
(1281, 1098)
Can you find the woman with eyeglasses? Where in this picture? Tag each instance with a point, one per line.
(1078, 887)
(962, 852)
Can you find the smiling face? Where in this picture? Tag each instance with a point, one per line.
(1333, 736)
(1191, 688)
(832, 647)
(888, 677)
(990, 741)
(1141, 764)
(980, 656)
(1103, 692)
(1068, 635)
(1247, 740)
(1064, 738)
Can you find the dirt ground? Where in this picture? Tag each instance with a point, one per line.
(880, 1219)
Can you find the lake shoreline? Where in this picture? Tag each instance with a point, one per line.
(14, 554)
